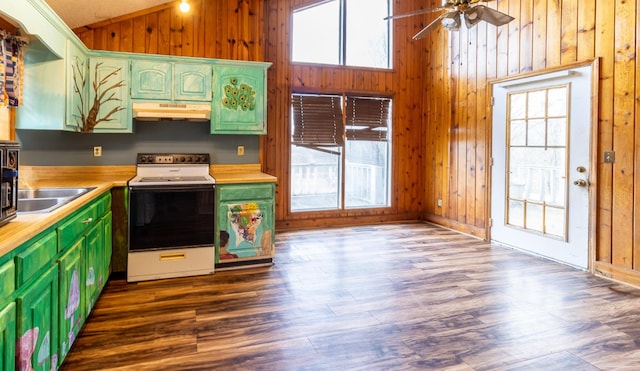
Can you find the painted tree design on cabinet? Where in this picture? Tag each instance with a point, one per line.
(106, 108)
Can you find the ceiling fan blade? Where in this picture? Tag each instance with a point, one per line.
(416, 12)
(482, 13)
(431, 26)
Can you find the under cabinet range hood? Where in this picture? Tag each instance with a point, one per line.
(155, 111)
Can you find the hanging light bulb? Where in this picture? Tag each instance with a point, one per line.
(184, 6)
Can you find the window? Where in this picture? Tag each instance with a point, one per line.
(343, 32)
(340, 156)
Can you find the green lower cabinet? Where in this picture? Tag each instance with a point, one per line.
(71, 313)
(95, 275)
(8, 337)
(107, 222)
(37, 310)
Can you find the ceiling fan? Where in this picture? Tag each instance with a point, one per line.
(456, 9)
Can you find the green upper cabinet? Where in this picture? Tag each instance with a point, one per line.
(192, 82)
(151, 80)
(77, 70)
(158, 80)
(239, 100)
(108, 105)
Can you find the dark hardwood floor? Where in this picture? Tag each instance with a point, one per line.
(401, 296)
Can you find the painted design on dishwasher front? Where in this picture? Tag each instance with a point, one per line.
(247, 237)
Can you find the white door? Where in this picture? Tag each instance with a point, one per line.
(540, 176)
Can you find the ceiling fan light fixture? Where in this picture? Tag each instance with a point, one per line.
(472, 16)
(488, 15)
(184, 6)
(451, 21)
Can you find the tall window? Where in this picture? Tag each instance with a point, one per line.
(340, 152)
(344, 32)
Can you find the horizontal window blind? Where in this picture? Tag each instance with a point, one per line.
(367, 119)
(317, 120)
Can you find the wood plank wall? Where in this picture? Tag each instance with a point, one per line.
(441, 123)
(545, 34)
(260, 30)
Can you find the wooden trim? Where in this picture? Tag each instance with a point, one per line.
(617, 273)
(471, 230)
(341, 221)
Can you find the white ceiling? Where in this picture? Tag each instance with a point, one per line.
(84, 12)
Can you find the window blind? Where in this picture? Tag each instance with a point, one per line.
(367, 119)
(317, 120)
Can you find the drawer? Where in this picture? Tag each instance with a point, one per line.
(7, 279)
(75, 226)
(246, 192)
(103, 204)
(36, 256)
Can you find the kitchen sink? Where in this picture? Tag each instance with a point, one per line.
(44, 200)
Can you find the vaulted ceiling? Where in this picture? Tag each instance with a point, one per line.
(81, 13)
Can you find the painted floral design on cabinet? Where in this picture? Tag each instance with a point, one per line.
(237, 97)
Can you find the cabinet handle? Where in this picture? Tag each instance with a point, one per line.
(87, 221)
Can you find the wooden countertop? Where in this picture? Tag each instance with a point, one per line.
(27, 226)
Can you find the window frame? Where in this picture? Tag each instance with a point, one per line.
(342, 152)
(342, 35)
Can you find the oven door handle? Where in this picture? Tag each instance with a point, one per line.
(169, 188)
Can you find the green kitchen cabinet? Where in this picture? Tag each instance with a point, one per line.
(171, 81)
(77, 81)
(108, 104)
(107, 223)
(37, 323)
(8, 337)
(245, 224)
(239, 100)
(72, 296)
(94, 264)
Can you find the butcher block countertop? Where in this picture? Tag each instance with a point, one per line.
(27, 226)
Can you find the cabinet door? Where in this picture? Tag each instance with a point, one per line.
(108, 107)
(192, 82)
(77, 70)
(246, 230)
(150, 80)
(94, 264)
(238, 104)
(8, 337)
(108, 243)
(71, 313)
(37, 310)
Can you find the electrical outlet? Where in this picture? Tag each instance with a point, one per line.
(240, 150)
(609, 157)
(97, 151)
(439, 202)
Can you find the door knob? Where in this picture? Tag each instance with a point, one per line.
(580, 183)
(581, 169)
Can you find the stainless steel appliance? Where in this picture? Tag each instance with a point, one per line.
(171, 217)
(9, 153)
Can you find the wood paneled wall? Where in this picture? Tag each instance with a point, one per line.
(212, 29)
(440, 112)
(545, 34)
(403, 83)
(260, 30)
